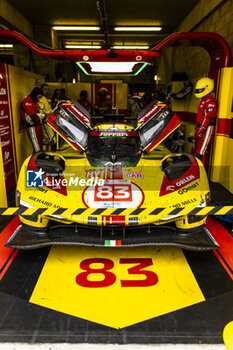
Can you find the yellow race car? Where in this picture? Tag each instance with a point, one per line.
(112, 185)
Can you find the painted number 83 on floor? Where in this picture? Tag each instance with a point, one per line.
(86, 278)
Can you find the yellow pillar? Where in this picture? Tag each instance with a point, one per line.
(222, 161)
(3, 196)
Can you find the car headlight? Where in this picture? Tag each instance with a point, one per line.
(208, 198)
(17, 198)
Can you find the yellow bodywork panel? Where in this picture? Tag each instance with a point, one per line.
(133, 187)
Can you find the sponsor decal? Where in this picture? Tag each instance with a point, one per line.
(2, 91)
(133, 220)
(6, 132)
(122, 134)
(181, 204)
(133, 174)
(6, 156)
(180, 183)
(189, 188)
(48, 204)
(148, 114)
(84, 118)
(94, 173)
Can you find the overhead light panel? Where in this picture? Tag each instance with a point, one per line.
(6, 46)
(112, 68)
(131, 47)
(138, 29)
(73, 28)
(82, 46)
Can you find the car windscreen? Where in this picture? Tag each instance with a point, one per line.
(124, 151)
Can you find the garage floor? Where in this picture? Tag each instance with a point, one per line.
(46, 296)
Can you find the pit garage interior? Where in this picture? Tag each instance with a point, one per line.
(41, 297)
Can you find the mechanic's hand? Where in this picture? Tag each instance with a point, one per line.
(191, 138)
(41, 115)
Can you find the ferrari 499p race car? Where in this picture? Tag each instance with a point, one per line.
(112, 185)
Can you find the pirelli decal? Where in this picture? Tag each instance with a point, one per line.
(91, 212)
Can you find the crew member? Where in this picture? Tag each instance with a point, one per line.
(45, 103)
(45, 106)
(103, 103)
(83, 100)
(206, 117)
(134, 105)
(33, 118)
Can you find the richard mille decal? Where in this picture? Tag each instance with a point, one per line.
(181, 204)
(48, 204)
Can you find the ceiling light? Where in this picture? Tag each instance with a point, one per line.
(138, 47)
(138, 29)
(6, 46)
(82, 46)
(76, 28)
(111, 68)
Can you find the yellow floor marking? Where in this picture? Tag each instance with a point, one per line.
(116, 306)
(228, 336)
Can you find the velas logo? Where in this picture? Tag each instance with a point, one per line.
(35, 178)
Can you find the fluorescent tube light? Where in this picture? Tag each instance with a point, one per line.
(130, 47)
(75, 28)
(82, 46)
(138, 29)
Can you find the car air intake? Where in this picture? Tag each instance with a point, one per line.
(50, 163)
(176, 166)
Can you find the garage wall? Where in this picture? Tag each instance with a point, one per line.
(119, 92)
(21, 84)
(208, 16)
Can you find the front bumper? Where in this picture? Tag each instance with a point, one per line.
(197, 238)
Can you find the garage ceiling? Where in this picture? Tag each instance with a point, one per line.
(165, 13)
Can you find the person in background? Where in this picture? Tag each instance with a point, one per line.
(56, 98)
(45, 103)
(33, 118)
(103, 104)
(63, 96)
(45, 106)
(206, 118)
(134, 105)
(84, 101)
(146, 99)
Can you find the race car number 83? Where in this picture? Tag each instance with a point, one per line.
(111, 192)
(109, 278)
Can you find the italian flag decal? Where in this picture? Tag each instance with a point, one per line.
(112, 243)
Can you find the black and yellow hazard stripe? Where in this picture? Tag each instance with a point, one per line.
(208, 210)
